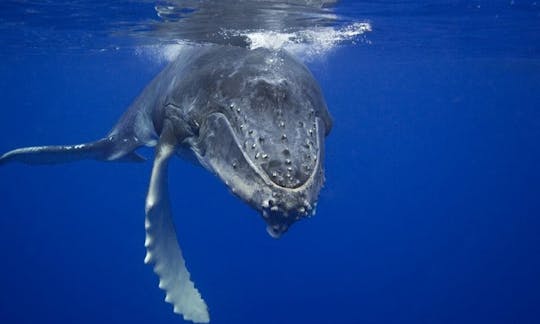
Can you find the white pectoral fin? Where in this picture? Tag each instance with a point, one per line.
(162, 245)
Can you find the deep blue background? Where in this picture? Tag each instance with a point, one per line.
(430, 213)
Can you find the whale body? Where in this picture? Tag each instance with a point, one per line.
(255, 118)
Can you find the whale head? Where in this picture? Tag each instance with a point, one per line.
(265, 137)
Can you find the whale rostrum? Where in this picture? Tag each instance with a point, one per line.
(255, 118)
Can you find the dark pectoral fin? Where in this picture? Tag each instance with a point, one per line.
(105, 149)
(162, 245)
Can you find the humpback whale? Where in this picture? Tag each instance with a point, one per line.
(255, 118)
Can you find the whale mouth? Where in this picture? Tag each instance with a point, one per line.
(279, 219)
(275, 231)
(219, 149)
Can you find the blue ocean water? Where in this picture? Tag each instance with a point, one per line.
(430, 212)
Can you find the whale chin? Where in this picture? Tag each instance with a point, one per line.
(219, 149)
